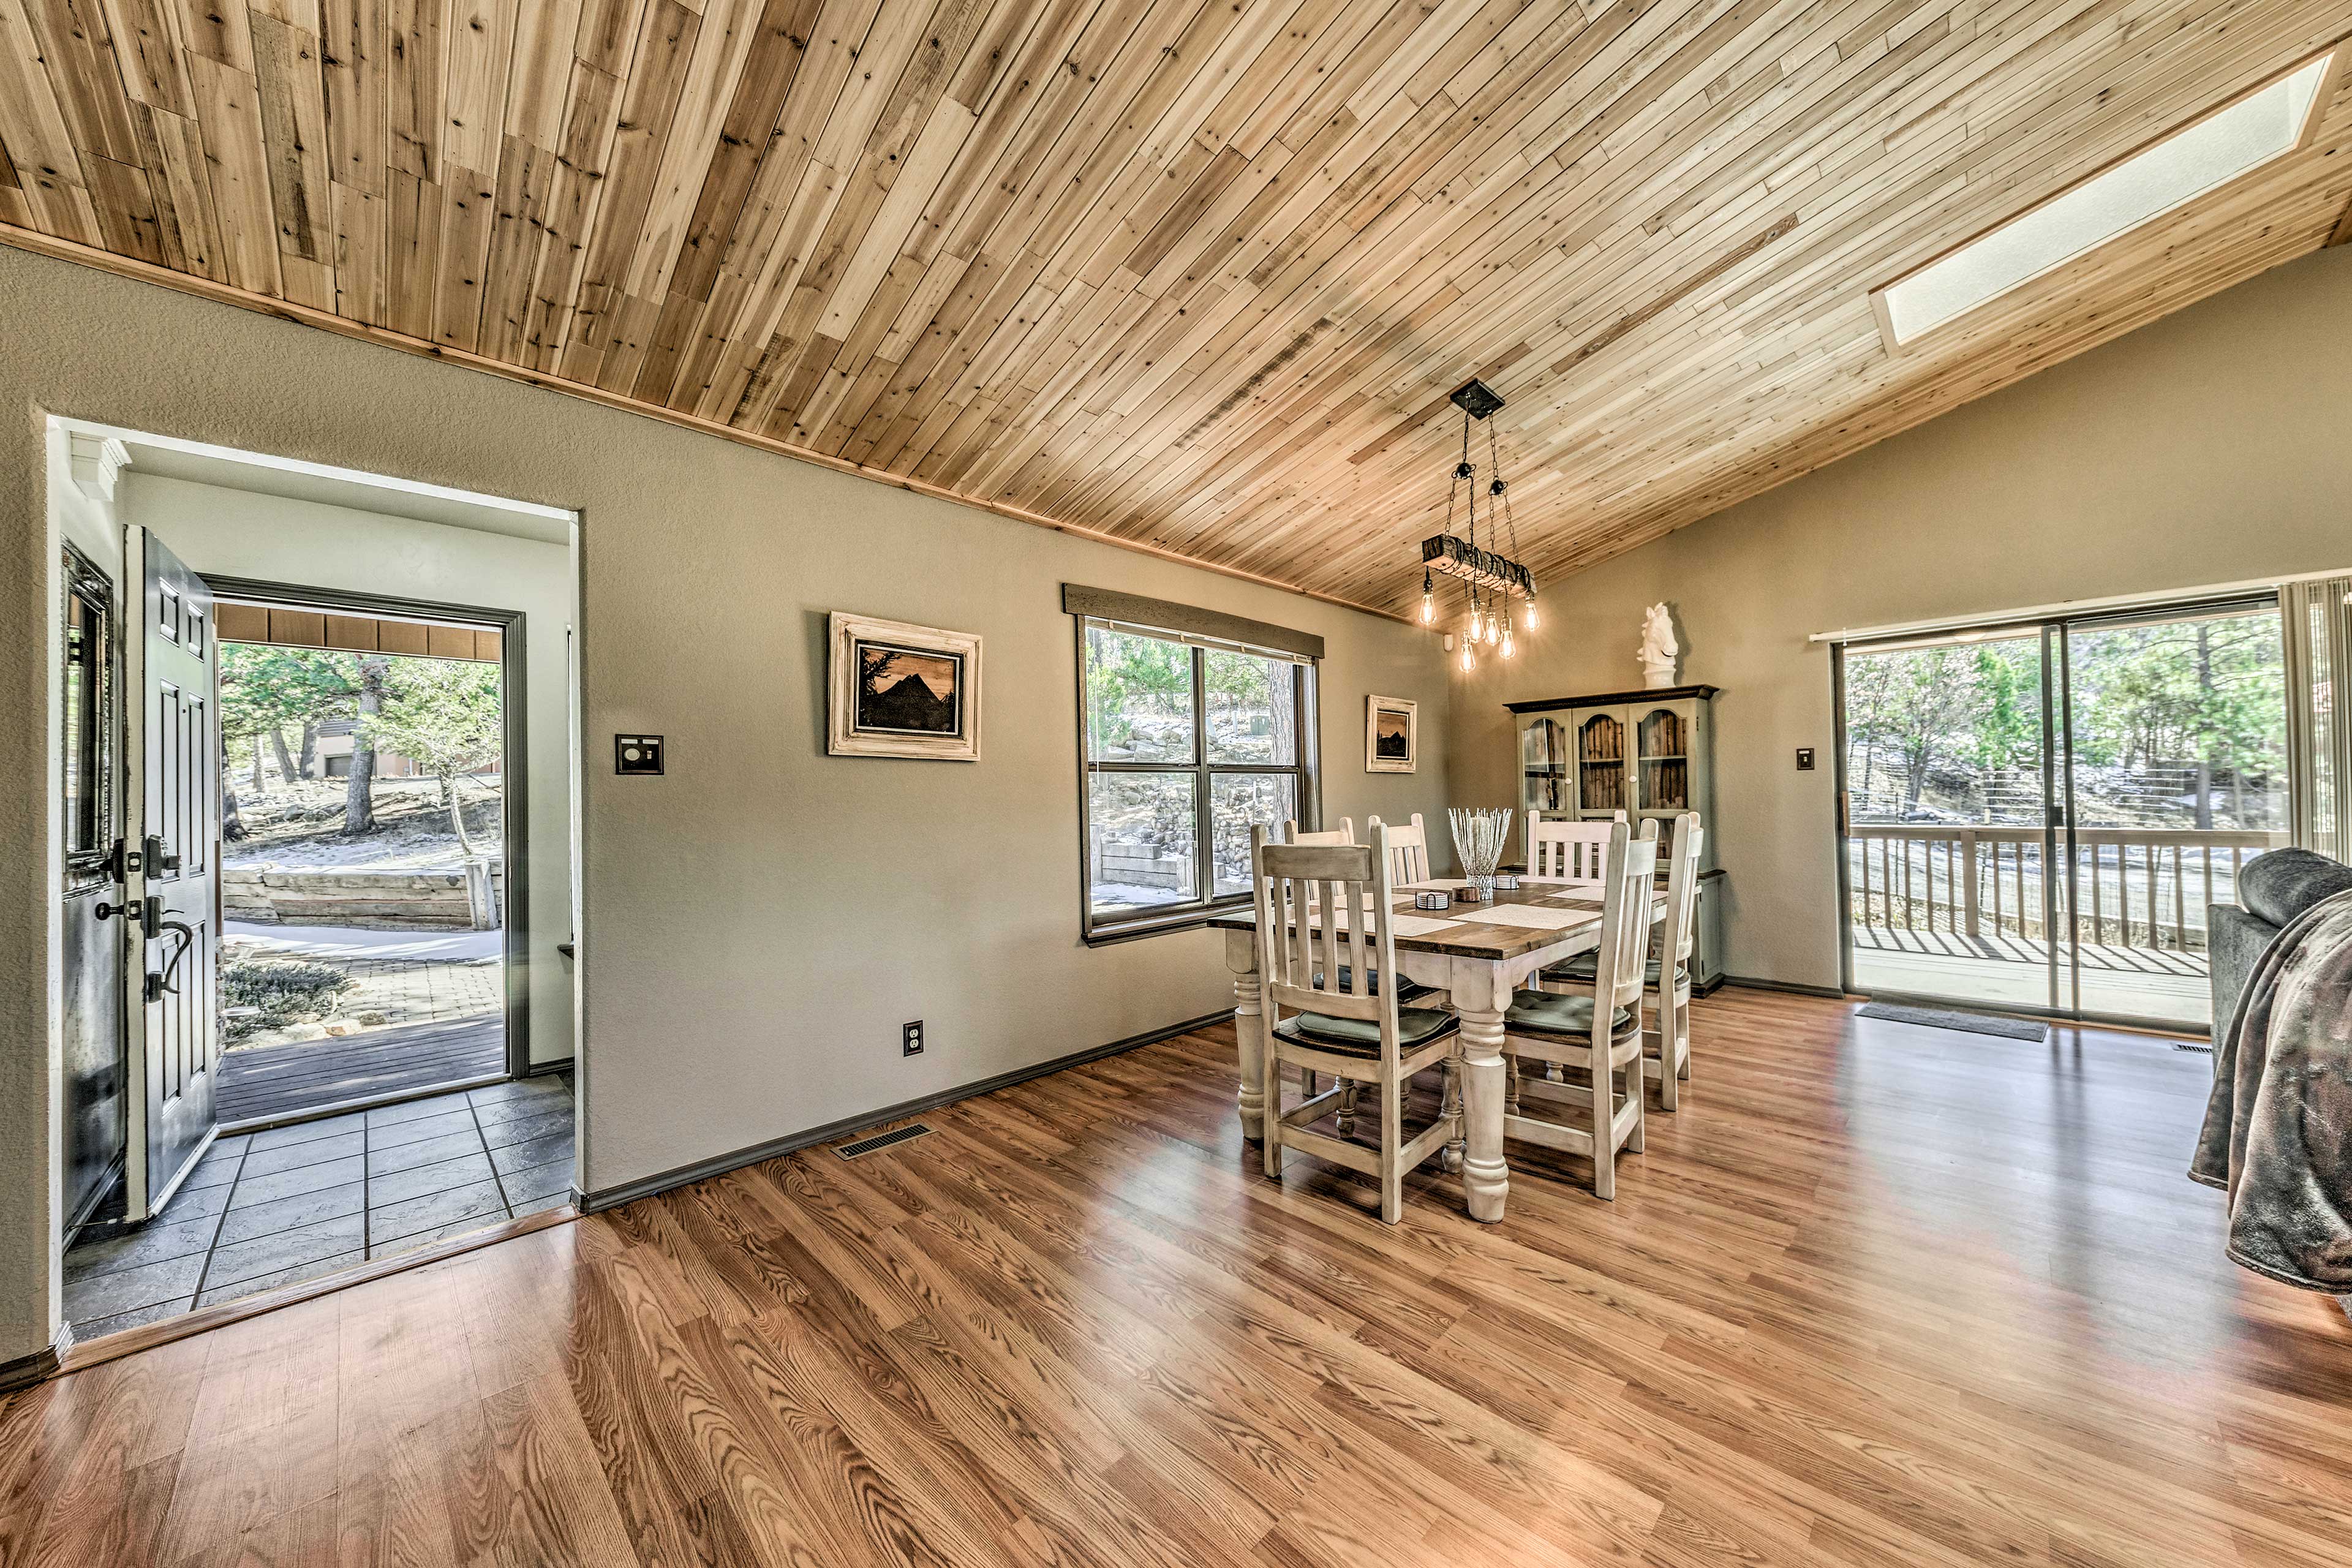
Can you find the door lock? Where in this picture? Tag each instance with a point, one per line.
(159, 856)
(146, 913)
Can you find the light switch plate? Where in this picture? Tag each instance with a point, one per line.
(1804, 759)
(636, 753)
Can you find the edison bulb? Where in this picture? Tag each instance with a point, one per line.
(1507, 642)
(1428, 608)
(1469, 661)
(1533, 622)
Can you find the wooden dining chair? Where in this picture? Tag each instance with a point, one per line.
(1667, 978)
(1565, 847)
(1338, 1024)
(1408, 862)
(1599, 1030)
(1408, 850)
(1343, 834)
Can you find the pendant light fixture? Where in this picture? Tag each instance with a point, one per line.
(1490, 580)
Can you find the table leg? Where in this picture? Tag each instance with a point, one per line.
(1249, 1033)
(1450, 1104)
(1485, 1178)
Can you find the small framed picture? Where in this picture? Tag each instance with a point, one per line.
(900, 690)
(1391, 735)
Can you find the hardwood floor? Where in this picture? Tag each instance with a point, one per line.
(1878, 1294)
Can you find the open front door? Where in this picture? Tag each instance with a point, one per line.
(171, 837)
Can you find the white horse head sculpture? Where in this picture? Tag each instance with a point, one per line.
(1658, 645)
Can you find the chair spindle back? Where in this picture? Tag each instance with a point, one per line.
(1408, 850)
(1564, 846)
(1348, 947)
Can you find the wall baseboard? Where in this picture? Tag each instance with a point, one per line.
(39, 1367)
(540, 1069)
(1795, 988)
(735, 1159)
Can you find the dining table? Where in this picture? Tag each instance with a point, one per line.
(1479, 954)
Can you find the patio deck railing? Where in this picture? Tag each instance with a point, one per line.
(2136, 886)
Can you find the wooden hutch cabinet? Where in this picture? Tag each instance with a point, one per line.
(1646, 754)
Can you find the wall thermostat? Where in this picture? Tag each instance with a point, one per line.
(636, 753)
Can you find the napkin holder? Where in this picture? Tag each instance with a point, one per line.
(1438, 899)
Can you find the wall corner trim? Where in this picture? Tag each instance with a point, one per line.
(39, 1367)
(736, 1159)
(98, 462)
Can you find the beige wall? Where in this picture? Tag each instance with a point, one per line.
(282, 539)
(758, 924)
(2215, 445)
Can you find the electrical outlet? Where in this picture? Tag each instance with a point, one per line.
(910, 1039)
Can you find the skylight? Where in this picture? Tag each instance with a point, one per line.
(2264, 124)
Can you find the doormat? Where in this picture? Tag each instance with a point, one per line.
(1969, 1023)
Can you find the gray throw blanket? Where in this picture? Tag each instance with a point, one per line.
(2278, 1131)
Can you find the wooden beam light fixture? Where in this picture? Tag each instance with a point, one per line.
(1490, 579)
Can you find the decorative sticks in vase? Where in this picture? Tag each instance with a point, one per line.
(1481, 834)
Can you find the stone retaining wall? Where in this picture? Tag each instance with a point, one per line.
(1138, 865)
(378, 900)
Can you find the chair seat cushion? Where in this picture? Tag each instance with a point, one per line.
(1361, 1036)
(1586, 966)
(1411, 992)
(1545, 1013)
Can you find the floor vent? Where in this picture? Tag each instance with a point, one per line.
(2185, 1046)
(880, 1141)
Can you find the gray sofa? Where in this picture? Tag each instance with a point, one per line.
(2273, 890)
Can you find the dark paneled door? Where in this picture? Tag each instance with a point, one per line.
(96, 933)
(175, 832)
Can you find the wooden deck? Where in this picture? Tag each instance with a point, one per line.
(2119, 981)
(284, 1081)
(1878, 1294)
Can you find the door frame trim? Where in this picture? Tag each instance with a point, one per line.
(514, 695)
(2057, 708)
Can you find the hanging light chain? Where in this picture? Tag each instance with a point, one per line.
(1510, 515)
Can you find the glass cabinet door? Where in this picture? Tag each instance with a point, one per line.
(1543, 768)
(1600, 764)
(1664, 737)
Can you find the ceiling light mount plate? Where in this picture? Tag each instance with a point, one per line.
(1475, 398)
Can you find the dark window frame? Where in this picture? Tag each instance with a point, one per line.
(1098, 927)
(89, 843)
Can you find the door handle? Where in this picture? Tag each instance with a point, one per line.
(157, 984)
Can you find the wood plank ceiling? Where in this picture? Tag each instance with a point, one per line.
(1197, 274)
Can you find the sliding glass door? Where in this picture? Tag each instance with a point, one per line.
(2036, 816)
(1948, 775)
(2175, 776)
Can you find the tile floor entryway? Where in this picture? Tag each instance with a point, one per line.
(274, 1208)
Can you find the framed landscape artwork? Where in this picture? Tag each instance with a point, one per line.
(1391, 735)
(900, 690)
